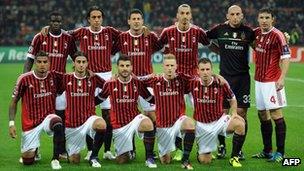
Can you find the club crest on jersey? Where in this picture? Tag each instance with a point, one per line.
(193, 39)
(135, 88)
(106, 37)
(96, 37)
(215, 90)
(234, 34)
(51, 82)
(41, 84)
(183, 38)
(55, 43)
(135, 42)
(65, 45)
(177, 83)
(89, 83)
(79, 83)
(268, 40)
(146, 42)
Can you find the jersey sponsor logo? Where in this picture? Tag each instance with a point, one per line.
(168, 93)
(193, 39)
(206, 99)
(44, 94)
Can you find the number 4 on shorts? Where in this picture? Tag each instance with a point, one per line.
(272, 99)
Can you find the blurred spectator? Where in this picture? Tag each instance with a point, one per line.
(21, 19)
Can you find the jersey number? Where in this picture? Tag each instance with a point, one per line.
(246, 99)
(272, 99)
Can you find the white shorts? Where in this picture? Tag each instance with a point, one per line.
(267, 97)
(31, 139)
(76, 137)
(166, 136)
(206, 133)
(61, 102)
(106, 76)
(123, 136)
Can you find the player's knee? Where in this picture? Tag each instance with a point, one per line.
(205, 158)
(123, 158)
(263, 115)
(99, 124)
(239, 125)
(55, 121)
(28, 158)
(188, 124)
(146, 125)
(166, 159)
(74, 158)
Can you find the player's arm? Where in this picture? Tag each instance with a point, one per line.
(12, 115)
(233, 106)
(28, 65)
(284, 67)
(103, 95)
(145, 93)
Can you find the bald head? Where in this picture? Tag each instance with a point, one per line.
(234, 15)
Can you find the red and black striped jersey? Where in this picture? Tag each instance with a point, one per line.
(124, 99)
(208, 100)
(58, 48)
(169, 98)
(270, 48)
(97, 46)
(184, 45)
(140, 48)
(37, 97)
(80, 93)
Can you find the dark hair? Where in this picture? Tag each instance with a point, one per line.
(136, 11)
(266, 10)
(205, 61)
(42, 53)
(79, 53)
(54, 13)
(123, 57)
(94, 8)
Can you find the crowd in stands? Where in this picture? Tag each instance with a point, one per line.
(22, 19)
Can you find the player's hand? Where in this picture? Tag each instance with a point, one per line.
(279, 84)
(90, 73)
(12, 131)
(220, 79)
(287, 37)
(45, 31)
(146, 31)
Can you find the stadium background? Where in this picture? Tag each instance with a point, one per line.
(20, 20)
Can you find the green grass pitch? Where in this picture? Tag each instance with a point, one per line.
(10, 148)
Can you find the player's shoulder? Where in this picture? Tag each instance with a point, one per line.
(195, 27)
(26, 75)
(37, 36)
(278, 33)
(247, 27)
(172, 27)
